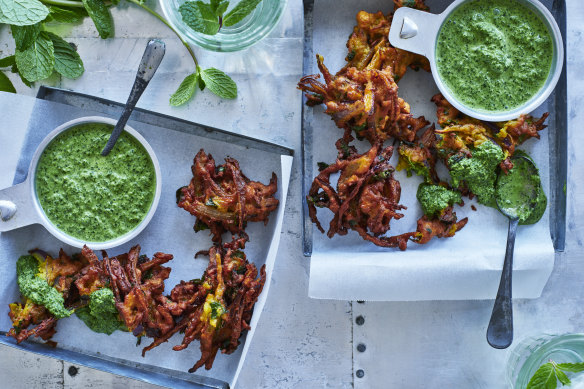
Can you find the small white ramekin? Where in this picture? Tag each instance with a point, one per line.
(417, 31)
(20, 206)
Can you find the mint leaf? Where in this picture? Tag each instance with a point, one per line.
(563, 377)
(200, 17)
(7, 62)
(241, 10)
(219, 83)
(24, 36)
(22, 12)
(67, 61)
(36, 62)
(24, 80)
(571, 367)
(544, 378)
(101, 17)
(221, 8)
(67, 15)
(6, 84)
(185, 91)
(214, 4)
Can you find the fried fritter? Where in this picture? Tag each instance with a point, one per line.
(137, 283)
(368, 46)
(459, 131)
(363, 101)
(366, 198)
(223, 198)
(444, 225)
(218, 307)
(27, 314)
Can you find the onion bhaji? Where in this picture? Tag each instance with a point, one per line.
(57, 272)
(366, 198)
(218, 307)
(362, 96)
(460, 131)
(362, 99)
(215, 309)
(223, 199)
(136, 281)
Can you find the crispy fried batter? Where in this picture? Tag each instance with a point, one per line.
(444, 225)
(368, 46)
(364, 101)
(218, 307)
(366, 197)
(137, 282)
(459, 131)
(27, 314)
(223, 198)
(419, 156)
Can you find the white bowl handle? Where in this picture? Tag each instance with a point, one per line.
(415, 31)
(17, 208)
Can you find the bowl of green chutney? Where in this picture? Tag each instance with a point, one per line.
(491, 59)
(82, 197)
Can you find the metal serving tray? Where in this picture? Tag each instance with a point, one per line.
(147, 372)
(557, 130)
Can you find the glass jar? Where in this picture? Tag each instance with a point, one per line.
(529, 354)
(242, 35)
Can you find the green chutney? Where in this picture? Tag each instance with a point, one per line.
(519, 193)
(494, 55)
(91, 197)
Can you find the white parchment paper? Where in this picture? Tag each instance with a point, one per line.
(170, 231)
(467, 266)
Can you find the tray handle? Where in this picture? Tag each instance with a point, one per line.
(17, 208)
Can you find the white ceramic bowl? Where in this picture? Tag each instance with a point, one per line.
(19, 204)
(417, 31)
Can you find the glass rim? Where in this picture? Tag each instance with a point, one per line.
(241, 40)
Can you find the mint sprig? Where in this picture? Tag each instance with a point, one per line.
(213, 79)
(548, 375)
(207, 18)
(40, 53)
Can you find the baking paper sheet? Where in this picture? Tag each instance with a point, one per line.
(467, 266)
(170, 231)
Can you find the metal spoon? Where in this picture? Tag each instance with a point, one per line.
(152, 57)
(500, 330)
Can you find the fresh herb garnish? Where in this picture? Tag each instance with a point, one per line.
(548, 375)
(208, 18)
(322, 166)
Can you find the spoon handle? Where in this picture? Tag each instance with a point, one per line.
(500, 330)
(152, 57)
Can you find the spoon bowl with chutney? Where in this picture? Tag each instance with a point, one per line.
(82, 197)
(517, 195)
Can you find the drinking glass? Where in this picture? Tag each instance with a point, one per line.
(248, 31)
(529, 354)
